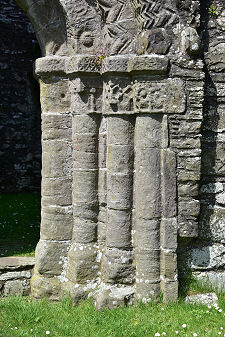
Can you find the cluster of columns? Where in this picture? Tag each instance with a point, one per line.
(114, 208)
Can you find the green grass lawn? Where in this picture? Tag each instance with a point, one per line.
(20, 216)
(24, 317)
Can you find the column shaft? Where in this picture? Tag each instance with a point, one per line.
(117, 262)
(147, 205)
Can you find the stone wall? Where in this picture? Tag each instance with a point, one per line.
(20, 147)
(206, 255)
(129, 91)
(15, 275)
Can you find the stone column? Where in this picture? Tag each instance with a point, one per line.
(169, 226)
(83, 266)
(147, 205)
(102, 183)
(56, 203)
(117, 267)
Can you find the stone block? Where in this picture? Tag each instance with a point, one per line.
(147, 292)
(85, 185)
(215, 57)
(147, 265)
(186, 143)
(118, 63)
(18, 275)
(120, 159)
(56, 223)
(16, 287)
(83, 210)
(119, 191)
(148, 131)
(85, 124)
(168, 233)
(177, 71)
(189, 208)
(118, 267)
(152, 64)
(148, 184)
(102, 187)
(168, 183)
(212, 188)
(118, 232)
(49, 65)
(187, 188)
(206, 299)
(208, 257)
(102, 150)
(147, 234)
(56, 191)
(120, 130)
(50, 256)
(189, 163)
(187, 228)
(114, 297)
(16, 263)
(188, 176)
(169, 290)
(213, 156)
(82, 63)
(168, 264)
(82, 263)
(84, 231)
(165, 96)
(118, 95)
(86, 142)
(211, 223)
(215, 278)
(55, 95)
(85, 160)
(56, 159)
(56, 126)
(42, 287)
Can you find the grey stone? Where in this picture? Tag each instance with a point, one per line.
(211, 223)
(82, 263)
(119, 193)
(15, 287)
(128, 134)
(147, 234)
(16, 263)
(118, 267)
(148, 129)
(208, 257)
(209, 298)
(168, 183)
(168, 233)
(212, 188)
(147, 184)
(118, 232)
(214, 278)
(51, 256)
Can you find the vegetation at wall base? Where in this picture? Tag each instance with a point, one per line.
(21, 316)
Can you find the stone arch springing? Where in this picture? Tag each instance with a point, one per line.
(48, 20)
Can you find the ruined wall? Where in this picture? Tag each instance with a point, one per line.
(124, 138)
(20, 147)
(206, 254)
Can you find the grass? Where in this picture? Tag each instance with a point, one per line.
(21, 316)
(19, 223)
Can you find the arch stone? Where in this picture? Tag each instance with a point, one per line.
(49, 21)
(120, 125)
